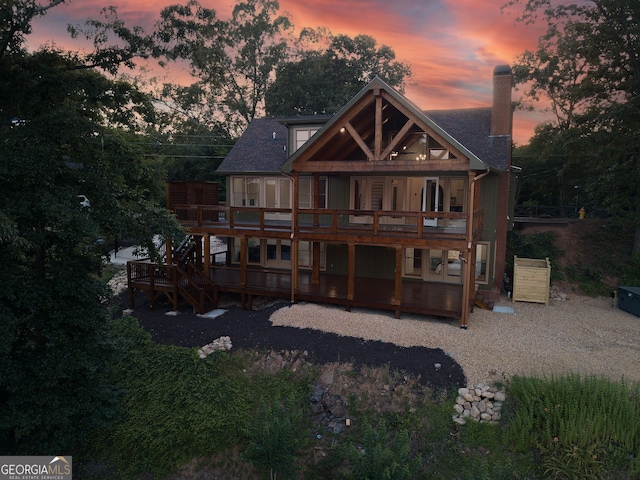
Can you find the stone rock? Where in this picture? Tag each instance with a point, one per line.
(480, 403)
(474, 412)
(222, 343)
(327, 377)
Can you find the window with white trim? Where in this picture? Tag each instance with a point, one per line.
(302, 134)
(245, 191)
(305, 193)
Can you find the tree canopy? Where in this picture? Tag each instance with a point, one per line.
(324, 80)
(586, 71)
(71, 179)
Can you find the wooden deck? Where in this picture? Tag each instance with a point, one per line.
(433, 299)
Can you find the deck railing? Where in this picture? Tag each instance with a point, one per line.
(330, 221)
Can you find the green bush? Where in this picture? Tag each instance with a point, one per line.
(275, 435)
(382, 455)
(589, 279)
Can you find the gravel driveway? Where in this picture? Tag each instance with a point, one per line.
(582, 334)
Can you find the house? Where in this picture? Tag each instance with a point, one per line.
(382, 205)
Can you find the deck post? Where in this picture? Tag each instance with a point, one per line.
(351, 271)
(243, 262)
(316, 198)
(294, 269)
(294, 236)
(466, 276)
(207, 254)
(198, 250)
(169, 251)
(315, 272)
(397, 300)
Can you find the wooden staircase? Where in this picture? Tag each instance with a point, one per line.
(181, 279)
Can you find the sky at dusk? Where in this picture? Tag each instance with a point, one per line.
(451, 45)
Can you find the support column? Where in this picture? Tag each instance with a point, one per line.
(243, 261)
(169, 251)
(294, 235)
(207, 254)
(315, 272)
(198, 250)
(466, 288)
(397, 299)
(294, 269)
(351, 274)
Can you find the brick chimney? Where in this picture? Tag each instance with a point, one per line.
(501, 116)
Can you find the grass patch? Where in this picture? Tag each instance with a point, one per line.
(582, 427)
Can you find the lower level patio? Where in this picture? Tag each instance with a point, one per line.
(435, 299)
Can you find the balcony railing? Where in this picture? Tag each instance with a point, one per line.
(329, 221)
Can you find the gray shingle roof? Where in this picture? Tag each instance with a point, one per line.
(256, 151)
(472, 128)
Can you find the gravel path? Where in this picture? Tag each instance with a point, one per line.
(582, 334)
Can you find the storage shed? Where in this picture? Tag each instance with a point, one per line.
(531, 278)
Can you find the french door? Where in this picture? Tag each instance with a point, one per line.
(431, 199)
(277, 193)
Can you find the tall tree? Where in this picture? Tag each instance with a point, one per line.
(15, 21)
(587, 69)
(65, 134)
(325, 78)
(232, 61)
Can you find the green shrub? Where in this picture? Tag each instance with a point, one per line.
(382, 455)
(589, 279)
(275, 435)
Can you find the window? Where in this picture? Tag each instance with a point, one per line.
(253, 251)
(305, 255)
(277, 252)
(482, 262)
(245, 191)
(397, 195)
(419, 146)
(305, 193)
(413, 262)
(301, 135)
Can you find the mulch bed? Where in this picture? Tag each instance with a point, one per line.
(253, 330)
